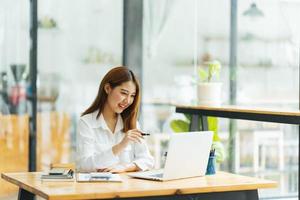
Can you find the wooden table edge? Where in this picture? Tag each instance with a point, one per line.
(169, 192)
(24, 186)
(241, 109)
(178, 191)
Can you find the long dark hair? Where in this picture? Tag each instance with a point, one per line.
(114, 78)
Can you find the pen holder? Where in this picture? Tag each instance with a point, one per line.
(211, 166)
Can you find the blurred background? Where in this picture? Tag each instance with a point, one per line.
(79, 41)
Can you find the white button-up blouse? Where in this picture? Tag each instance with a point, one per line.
(95, 141)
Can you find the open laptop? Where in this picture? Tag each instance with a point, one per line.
(187, 156)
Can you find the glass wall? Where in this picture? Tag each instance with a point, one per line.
(268, 76)
(78, 42)
(178, 43)
(168, 71)
(14, 107)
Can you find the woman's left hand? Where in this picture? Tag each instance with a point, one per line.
(119, 168)
(114, 169)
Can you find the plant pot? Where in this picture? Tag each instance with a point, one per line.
(209, 94)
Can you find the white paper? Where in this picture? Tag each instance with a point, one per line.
(87, 177)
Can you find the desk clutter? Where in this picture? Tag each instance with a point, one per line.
(67, 174)
(58, 174)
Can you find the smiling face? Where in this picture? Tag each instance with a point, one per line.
(120, 97)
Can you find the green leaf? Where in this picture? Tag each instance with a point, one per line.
(219, 151)
(214, 68)
(213, 126)
(188, 117)
(179, 125)
(203, 74)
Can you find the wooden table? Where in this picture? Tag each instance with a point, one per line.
(222, 185)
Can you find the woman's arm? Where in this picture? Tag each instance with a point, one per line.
(142, 161)
(88, 156)
(143, 158)
(133, 135)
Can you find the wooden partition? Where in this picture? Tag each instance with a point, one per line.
(53, 144)
(14, 139)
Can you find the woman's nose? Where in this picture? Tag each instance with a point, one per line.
(126, 99)
(129, 99)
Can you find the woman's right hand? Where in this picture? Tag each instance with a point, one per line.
(133, 135)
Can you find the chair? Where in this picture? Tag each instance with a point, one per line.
(257, 142)
(262, 140)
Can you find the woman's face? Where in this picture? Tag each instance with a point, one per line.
(120, 97)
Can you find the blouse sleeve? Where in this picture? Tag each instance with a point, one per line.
(90, 157)
(142, 157)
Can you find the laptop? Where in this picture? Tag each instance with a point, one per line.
(187, 156)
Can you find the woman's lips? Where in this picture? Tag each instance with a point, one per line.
(122, 106)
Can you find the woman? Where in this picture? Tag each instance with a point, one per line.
(108, 139)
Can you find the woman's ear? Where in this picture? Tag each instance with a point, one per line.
(107, 88)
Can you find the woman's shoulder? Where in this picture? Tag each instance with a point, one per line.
(88, 118)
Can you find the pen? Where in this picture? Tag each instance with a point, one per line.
(145, 134)
(212, 152)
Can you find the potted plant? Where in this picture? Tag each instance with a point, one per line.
(208, 88)
(209, 93)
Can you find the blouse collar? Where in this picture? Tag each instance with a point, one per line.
(100, 122)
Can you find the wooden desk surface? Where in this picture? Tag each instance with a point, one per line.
(130, 187)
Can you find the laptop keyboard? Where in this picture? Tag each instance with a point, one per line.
(157, 175)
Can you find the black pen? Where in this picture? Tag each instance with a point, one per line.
(145, 134)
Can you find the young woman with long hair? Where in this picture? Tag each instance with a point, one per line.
(108, 139)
